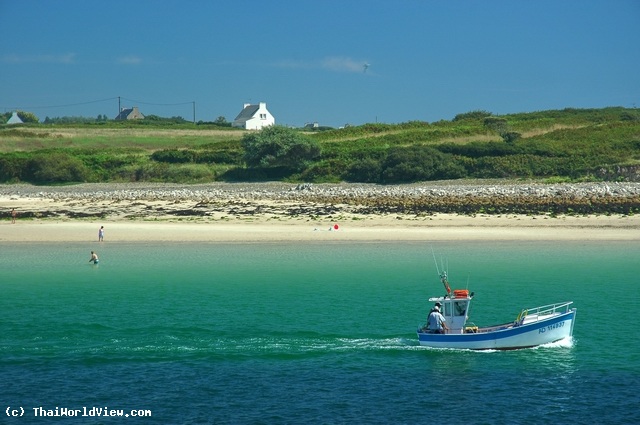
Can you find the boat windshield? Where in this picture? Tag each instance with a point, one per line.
(456, 308)
(459, 308)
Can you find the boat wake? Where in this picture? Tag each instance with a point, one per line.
(567, 342)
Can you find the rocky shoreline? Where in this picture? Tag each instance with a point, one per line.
(147, 200)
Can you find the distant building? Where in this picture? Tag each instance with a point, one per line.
(254, 117)
(15, 119)
(130, 114)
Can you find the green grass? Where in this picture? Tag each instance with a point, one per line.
(558, 145)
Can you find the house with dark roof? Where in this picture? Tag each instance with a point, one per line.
(130, 114)
(254, 117)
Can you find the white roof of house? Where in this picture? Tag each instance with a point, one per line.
(15, 119)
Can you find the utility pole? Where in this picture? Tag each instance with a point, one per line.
(194, 111)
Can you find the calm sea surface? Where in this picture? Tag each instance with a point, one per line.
(311, 333)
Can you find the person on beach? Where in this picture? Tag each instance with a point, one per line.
(437, 324)
(94, 258)
(101, 234)
(13, 216)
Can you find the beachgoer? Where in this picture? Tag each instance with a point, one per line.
(94, 258)
(101, 234)
(13, 216)
(436, 321)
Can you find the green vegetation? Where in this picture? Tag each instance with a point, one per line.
(562, 145)
(25, 117)
(278, 146)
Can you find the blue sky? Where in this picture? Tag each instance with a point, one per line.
(428, 60)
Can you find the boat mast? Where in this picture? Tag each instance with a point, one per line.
(443, 275)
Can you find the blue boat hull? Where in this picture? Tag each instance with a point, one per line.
(507, 337)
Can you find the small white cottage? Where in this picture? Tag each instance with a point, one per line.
(15, 119)
(254, 117)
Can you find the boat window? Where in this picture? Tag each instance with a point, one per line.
(459, 308)
(447, 309)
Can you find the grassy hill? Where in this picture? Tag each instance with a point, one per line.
(558, 145)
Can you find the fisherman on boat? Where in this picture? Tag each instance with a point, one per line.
(436, 323)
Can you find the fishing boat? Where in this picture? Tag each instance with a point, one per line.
(531, 327)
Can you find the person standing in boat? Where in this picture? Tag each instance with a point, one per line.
(436, 322)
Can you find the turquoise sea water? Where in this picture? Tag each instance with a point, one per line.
(311, 333)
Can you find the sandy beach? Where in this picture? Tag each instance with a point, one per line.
(441, 228)
(269, 213)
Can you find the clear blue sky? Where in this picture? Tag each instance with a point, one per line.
(428, 60)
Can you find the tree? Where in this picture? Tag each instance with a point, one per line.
(27, 117)
(472, 115)
(501, 126)
(278, 146)
(496, 124)
(24, 116)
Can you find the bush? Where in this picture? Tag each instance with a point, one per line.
(12, 168)
(366, 170)
(56, 168)
(472, 115)
(323, 172)
(510, 136)
(499, 125)
(174, 156)
(219, 157)
(188, 173)
(419, 163)
(278, 146)
(478, 149)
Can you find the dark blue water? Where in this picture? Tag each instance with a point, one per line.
(316, 333)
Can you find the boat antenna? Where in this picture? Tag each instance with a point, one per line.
(443, 275)
(435, 261)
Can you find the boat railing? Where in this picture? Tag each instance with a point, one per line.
(533, 314)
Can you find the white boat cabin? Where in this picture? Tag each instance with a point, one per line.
(455, 309)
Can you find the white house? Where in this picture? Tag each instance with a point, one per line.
(254, 117)
(15, 119)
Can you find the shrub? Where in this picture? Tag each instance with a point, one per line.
(187, 173)
(12, 168)
(323, 172)
(366, 170)
(510, 136)
(472, 115)
(478, 149)
(278, 146)
(56, 167)
(419, 163)
(225, 156)
(174, 156)
(499, 125)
